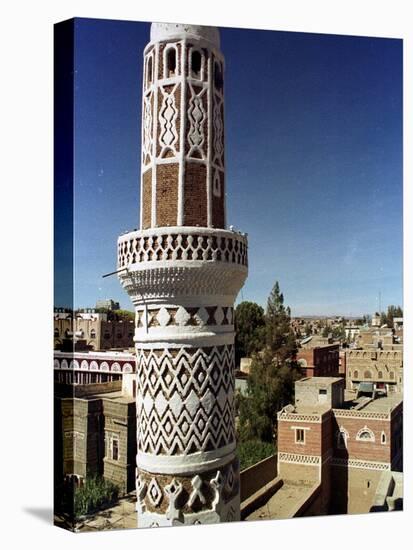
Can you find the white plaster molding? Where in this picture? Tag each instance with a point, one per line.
(186, 464)
(230, 511)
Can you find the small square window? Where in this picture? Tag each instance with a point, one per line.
(322, 392)
(299, 435)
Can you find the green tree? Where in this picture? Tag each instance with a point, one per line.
(392, 312)
(273, 372)
(249, 329)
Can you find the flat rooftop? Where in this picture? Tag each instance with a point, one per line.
(319, 380)
(284, 503)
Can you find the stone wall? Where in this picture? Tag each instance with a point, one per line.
(252, 479)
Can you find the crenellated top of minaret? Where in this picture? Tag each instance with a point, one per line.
(168, 31)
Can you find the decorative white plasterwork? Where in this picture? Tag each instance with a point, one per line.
(365, 434)
(299, 459)
(185, 402)
(230, 511)
(363, 464)
(168, 115)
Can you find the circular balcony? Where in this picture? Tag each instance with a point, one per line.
(168, 261)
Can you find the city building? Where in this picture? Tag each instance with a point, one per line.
(382, 368)
(183, 270)
(95, 368)
(89, 330)
(336, 454)
(95, 418)
(107, 304)
(319, 361)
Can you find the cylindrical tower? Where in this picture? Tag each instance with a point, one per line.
(183, 271)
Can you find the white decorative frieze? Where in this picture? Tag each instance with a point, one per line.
(168, 114)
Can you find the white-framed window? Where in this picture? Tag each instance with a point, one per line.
(218, 79)
(365, 434)
(112, 446)
(196, 64)
(216, 187)
(170, 60)
(300, 436)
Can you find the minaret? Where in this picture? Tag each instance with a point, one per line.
(183, 271)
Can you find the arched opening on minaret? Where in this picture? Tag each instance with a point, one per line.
(196, 64)
(218, 80)
(170, 62)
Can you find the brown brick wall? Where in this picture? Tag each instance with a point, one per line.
(166, 194)
(147, 199)
(286, 438)
(195, 195)
(365, 450)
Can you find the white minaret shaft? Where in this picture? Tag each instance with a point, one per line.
(184, 273)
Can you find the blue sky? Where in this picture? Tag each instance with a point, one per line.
(313, 155)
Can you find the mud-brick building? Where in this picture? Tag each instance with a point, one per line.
(319, 361)
(381, 367)
(95, 427)
(336, 449)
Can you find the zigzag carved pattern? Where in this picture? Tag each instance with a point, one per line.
(185, 403)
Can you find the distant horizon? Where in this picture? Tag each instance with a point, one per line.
(308, 316)
(313, 136)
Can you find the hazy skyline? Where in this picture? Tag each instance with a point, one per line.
(313, 162)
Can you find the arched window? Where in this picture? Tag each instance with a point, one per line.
(93, 333)
(391, 375)
(383, 438)
(380, 374)
(367, 374)
(196, 64)
(218, 80)
(170, 62)
(365, 434)
(356, 374)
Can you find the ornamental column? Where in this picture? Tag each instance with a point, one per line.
(183, 271)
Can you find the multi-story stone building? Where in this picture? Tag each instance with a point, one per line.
(377, 360)
(91, 331)
(95, 418)
(182, 271)
(382, 368)
(98, 425)
(95, 368)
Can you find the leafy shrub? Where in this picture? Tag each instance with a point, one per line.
(95, 493)
(253, 451)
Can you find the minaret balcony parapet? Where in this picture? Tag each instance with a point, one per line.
(180, 244)
(169, 262)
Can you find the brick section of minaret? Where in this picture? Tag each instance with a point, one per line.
(167, 194)
(146, 199)
(195, 195)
